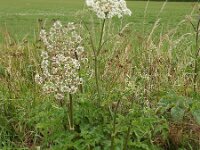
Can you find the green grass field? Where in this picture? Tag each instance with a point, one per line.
(20, 18)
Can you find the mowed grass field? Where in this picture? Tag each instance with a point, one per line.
(19, 18)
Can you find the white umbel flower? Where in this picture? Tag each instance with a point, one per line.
(109, 8)
(61, 60)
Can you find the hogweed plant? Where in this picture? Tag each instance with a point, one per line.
(61, 63)
(104, 9)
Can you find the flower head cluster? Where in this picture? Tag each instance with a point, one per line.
(61, 60)
(109, 8)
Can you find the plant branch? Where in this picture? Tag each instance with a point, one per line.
(127, 138)
(71, 119)
(101, 37)
(114, 126)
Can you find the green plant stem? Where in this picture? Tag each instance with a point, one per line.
(79, 73)
(96, 52)
(71, 119)
(101, 37)
(96, 63)
(127, 138)
(65, 114)
(97, 76)
(114, 127)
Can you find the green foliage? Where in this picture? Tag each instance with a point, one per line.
(177, 113)
(179, 107)
(196, 111)
(139, 68)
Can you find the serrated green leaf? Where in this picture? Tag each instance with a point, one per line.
(177, 113)
(140, 145)
(196, 115)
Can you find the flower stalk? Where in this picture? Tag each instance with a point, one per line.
(127, 138)
(114, 127)
(71, 118)
(96, 63)
(101, 37)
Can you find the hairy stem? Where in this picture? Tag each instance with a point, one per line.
(62, 102)
(127, 138)
(97, 76)
(79, 73)
(101, 37)
(96, 51)
(96, 63)
(114, 127)
(71, 119)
